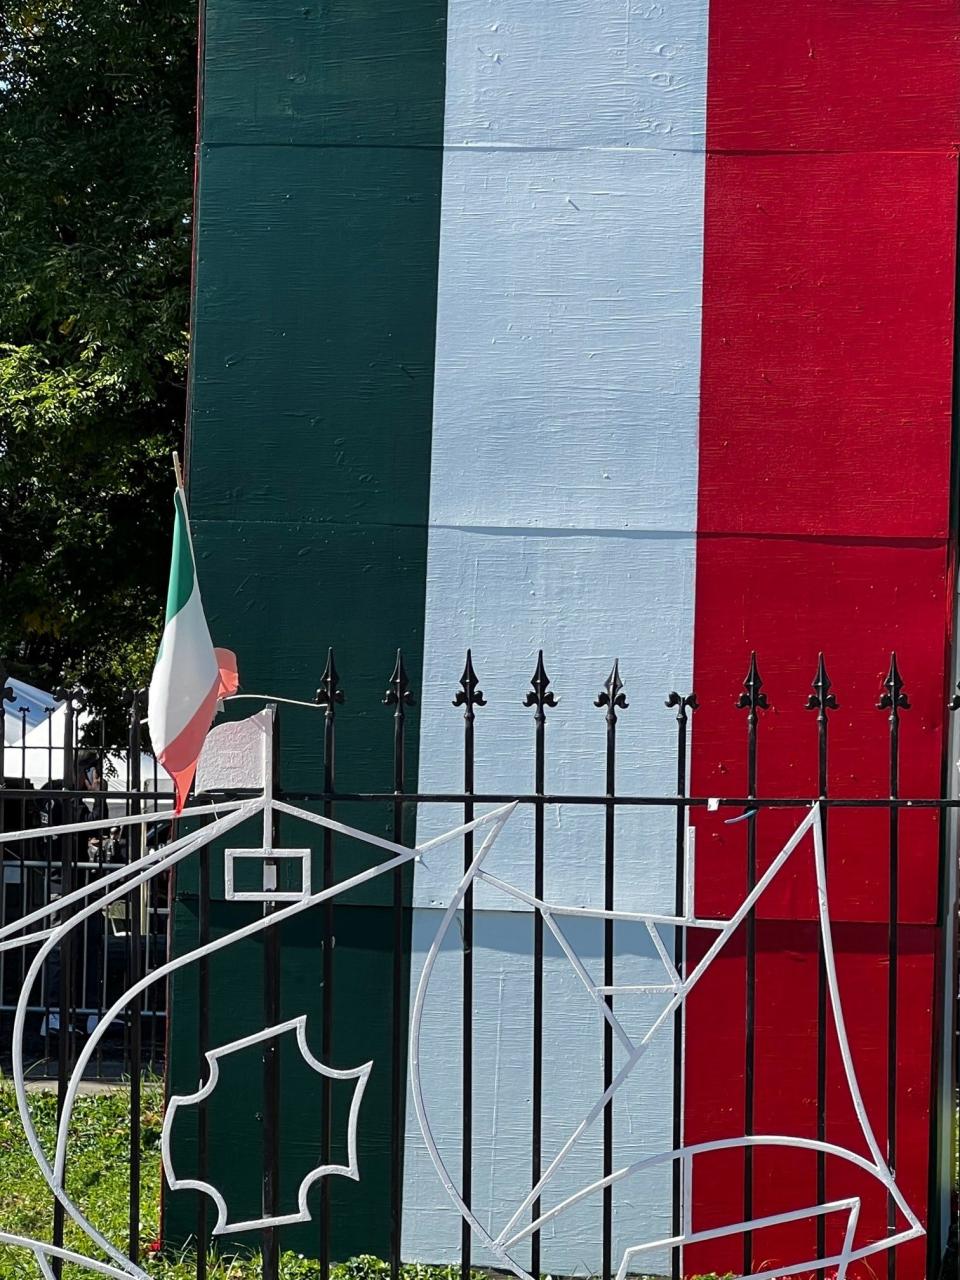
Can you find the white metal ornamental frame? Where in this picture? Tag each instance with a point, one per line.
(48, 926)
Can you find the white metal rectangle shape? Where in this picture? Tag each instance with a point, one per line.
(269, 892)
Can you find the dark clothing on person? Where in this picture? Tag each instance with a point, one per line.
(100, 847)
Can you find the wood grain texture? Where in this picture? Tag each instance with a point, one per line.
(851, 76)
(338, 73)
(573, 1074)
(562, 516)
(825, 438)
(311, 398)
(827, 339)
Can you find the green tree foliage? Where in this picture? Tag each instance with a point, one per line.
(96, 147)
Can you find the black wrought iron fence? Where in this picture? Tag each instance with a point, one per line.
(50, 779)
(745, 804)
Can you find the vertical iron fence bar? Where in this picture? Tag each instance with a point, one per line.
(6, 695)
(751, 700)
(134, 840)
(49, 811)
(271, 1014)
(822, 701)
(468, 696)
(155, 994)
(539, 697)
(684, 705)
(102, 930)
(941, 1231)
(47, 882)
(893, 700)
(399, 697)
(611, 697)
(203, 1044)
(153, 897)
(328, 695)
(130, 841)
(48, 712)
(68, 845)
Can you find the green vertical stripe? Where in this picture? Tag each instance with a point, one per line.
(312, 390)
(181, 562)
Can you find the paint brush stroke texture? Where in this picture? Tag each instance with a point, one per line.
(569, 480)
(829, 266)
(318, 214)
(562, 514)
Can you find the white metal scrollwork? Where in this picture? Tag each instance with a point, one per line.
(47, 926)
(349, 1170)
(512, 1233)
(97, 894)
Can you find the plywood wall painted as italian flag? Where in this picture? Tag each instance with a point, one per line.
(624, 329)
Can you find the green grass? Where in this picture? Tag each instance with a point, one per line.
(98, 1181)
(98, 1174)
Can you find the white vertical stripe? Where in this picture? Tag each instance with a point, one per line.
(186, 670)
(562, 510)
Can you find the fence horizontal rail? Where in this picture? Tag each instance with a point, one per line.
(205, 907)
(665, 802)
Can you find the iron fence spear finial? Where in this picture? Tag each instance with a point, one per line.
(469, 695)
(611, 695)
(398, 690)
(894, 698)
(682, 703)
(68, 693)
(821, 699)
(540, 695)
(752, 698)
(329, 692)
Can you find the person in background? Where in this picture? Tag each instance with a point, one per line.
(100, 847)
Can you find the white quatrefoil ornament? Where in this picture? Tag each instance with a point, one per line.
(349, 1170)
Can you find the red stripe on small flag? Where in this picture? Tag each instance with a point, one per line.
(181, 756)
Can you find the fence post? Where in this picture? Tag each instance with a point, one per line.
(328, 696)
(468, 696)
(68, 852)
(751, 700)
(6, 695)
(611, 697)
(540, 698)
(271, 1016)
(893, 701)
(203, 1044)
(681, 906)
(822, 701)
(135, 842)
(399, 697)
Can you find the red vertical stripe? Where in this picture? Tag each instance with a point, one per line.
(825, 437)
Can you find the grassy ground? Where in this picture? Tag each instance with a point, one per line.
(98, 1182)
(98, 1177)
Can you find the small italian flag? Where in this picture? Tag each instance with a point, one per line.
(190, 676)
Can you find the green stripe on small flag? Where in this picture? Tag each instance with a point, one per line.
(181, 563)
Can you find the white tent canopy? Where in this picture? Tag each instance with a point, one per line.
(33, 737)
(30, 708)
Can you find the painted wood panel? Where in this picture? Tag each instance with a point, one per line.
(576, 76)
(825, 438)
(514, 592)
(309, 441)
(573, 1078)
(563, 478)
(807, 75)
